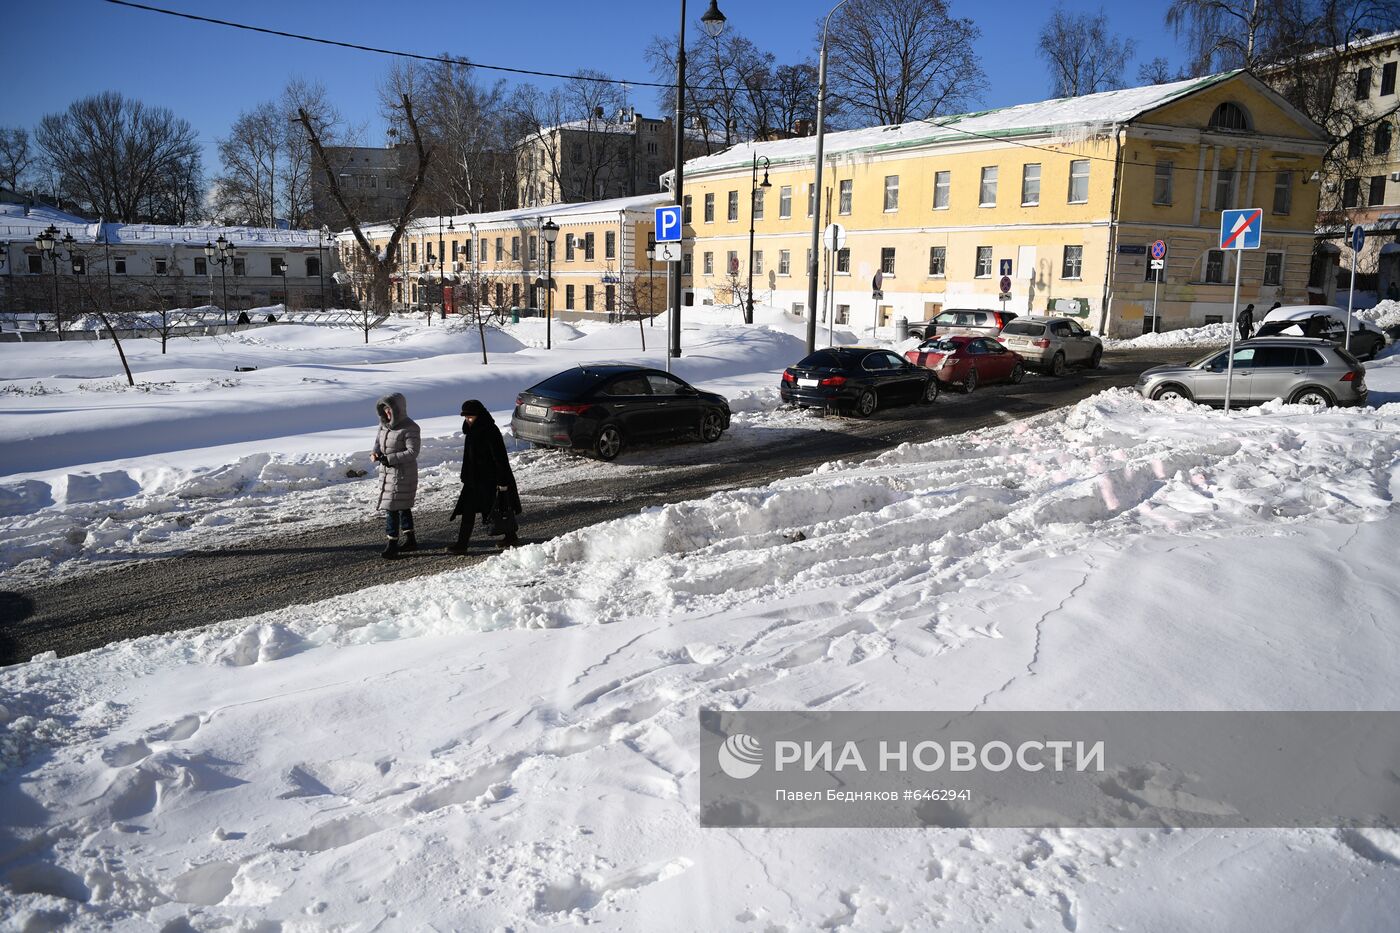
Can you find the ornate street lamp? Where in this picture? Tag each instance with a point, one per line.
(651, 280)
(815, 250)
(47, 241)
(550, 232)
(753, 210)
(713, 24)
(221, 252)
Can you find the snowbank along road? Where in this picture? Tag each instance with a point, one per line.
(562, 492)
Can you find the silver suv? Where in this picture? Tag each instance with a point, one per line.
(1295, 369)
(1051, 344)
(973, 322)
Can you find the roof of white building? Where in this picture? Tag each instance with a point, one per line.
(20, 224)
(1070, 117)
(640, 204)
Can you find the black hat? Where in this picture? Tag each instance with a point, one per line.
(473, 407)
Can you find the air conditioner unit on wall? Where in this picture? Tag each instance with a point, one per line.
(1395, 176)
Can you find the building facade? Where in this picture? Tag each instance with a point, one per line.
(375, 180)
(141, 267)
(497, 262)
(1063, 198)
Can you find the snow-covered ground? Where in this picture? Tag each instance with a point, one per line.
(1385, 315)
(513, 745)
(198, 454)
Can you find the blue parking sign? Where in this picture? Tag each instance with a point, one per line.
(668, 224)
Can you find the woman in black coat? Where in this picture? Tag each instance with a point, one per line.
(486, 475)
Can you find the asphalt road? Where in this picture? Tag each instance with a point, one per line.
(203, 587)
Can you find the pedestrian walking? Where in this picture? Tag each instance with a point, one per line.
(488, 486)
(1246, 322)
(396, 451)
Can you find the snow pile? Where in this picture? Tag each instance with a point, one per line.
(1207, 335)
(513, 744)
(1385, 314)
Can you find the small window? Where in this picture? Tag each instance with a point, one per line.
(36, 264)
(1383, 134)
(1213, 319)
(811, 199)
(887, 260)
(201, 265)
(279, 266)
(1030, 184)
(500, 250)
(984, 262)
(610, 244)
(710, 208)
(785, 262)
(843, 261)
(1388, 78)
(514, 249)
(687, 266)
(160, 266)
(1363, 83)
(942, 185)
(1229, 116)
(1079, 181)
(785, 202)
(1273, 268)
(588, 297)
(685, 204)
(588, 244)
(1283, 192)
(1073, 266)
(609, 297)
(707, 263)
(1224, 189)
(731, 263)
(1356, 142)
(1377, 192)
(758, 194)
(938, 260)
(534, 248)
(1351, 192)
(891, 193)
(733, 206)
(568, 247)
(758, 262)
(843, 314)
(569, 297)
(119, 265)
(1215, 267)
(987, 193)
(1162, 183)
(846, 196)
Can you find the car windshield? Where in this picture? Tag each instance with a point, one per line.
(1024, 329)
(571, 383)
(938, 346)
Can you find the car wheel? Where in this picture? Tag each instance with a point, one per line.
(609, 442)
(1170, 392)
(970, 383)
(711, 427)
(1096, 358)
(1312, 395)
(866, 404)
(1017, 374)
(930, 394)
(1057, 365)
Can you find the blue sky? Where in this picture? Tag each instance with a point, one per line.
(58, 52)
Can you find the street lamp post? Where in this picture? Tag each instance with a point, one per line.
(221, 252)
(9, 279)
(550, 231)
(323, 243)
(47, 241)
(651, 280)
(815, 251)
(713, 23)
(753, 206)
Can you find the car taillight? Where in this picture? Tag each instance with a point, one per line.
(788, 376)
(519, 400)
(833, 381)
(569, 409)
(1043, 343)
(1001, 339)
(1350, 376)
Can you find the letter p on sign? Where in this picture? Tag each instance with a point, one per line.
(668, 224)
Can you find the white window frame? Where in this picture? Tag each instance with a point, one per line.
(1030, 198)
(785, 202)
(891, 194)
(1078, 172)
(942, 185)
(987, 183)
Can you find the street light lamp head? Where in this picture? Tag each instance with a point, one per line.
(68, 238)
(209, 249)
(550, 231)
(765, 183)
(45, 239)
(713, 20)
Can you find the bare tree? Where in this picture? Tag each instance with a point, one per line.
(16, 156)
(114, 156)
(246, 191)
(295, 173)
(1158, 71)
(1081, 53)
(96, 302)
(889, 61)
(569, 137)
(380, 264)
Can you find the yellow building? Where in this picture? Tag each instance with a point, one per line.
(497, 260)
(1064, 197)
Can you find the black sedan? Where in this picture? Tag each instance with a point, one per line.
(598, 408)
(858, 379)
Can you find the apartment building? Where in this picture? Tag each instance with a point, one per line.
(374, 179)
(498, 260)
(1063, 197)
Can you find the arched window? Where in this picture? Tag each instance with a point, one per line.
(1229, 116)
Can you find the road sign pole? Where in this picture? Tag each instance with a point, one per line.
(670, 271)
(1234, 328)
(1156, 314)
(1351, 295)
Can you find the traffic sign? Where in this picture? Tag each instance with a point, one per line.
(1005, 282)
(1241, 229)
(1159, 251)
(834, 237)
(1005, 271)
(1358, 238)
(668, 224)
(1159, 263)
(668, 252)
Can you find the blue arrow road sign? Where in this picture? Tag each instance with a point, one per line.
(1358, 238)
(1241, 229)
(668, 224)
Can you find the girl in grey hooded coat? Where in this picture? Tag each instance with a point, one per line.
(396, 451)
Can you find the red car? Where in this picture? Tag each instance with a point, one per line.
(968, 361)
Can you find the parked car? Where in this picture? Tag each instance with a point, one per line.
(1295, 369)
(600, 408)
(1052, 344)
(968, 361)
(975, 322)
(1327, 323)
(858, 379)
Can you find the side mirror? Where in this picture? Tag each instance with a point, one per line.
(688, 390)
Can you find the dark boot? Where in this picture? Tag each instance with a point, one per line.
(391, 550)
(510, 541)
(464, 537)
(410, 542)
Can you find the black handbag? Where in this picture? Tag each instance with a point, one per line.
(502, 518)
